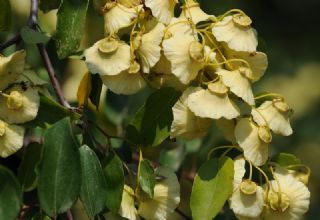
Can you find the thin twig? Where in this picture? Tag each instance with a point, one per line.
(15, 40)
(182, 214)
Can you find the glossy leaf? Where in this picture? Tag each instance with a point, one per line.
(5, 15)
(93, 192)
(31, 36)
(211, 188)
(147, 177)
(27, 171)
(59, 171)
(10, 195)
(285, 159)
(84, 89)
(151, 125)
(48, 5)
(70, 26)
(113, 170)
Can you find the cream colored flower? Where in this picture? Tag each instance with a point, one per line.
(253, 140)
(166, 197)
(236, 31)
(19, 105)
(191, 10)
(179, 27)
(258, 62)
(118, 16)
(227, 128)
(185, 124)
(163, 10)
(108, 57)
(127, 207)
(186, 56)
(124, 83)
(212, 103)
(273, 114)
(239, 171)
(238, 83)
(288, 198)
(148, 47)
(129, 3)
(11, 67)
(11, 138)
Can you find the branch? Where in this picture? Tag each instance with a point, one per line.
(15, 40)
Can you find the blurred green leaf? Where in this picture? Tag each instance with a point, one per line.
(10, 194)
(59, 177)
(96, 87)
(173, 158)
(211, 188)
(286, 159)
(27, 170)
(48, 5)
(113, 170)
(5, 15)
(31, 36)
(93, 192)
(151, 125)
(147, 177)
(52, 108)
(70, 26)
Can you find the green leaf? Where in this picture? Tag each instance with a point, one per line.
(10, 194)
(31, 36)
(113, 170)
(70, 26)
(147, 177)
(27, 171)
(93, 192)
(151, 125)
(59, 177)
(48, 5)
(52, 108)
(211, 188)
(285, 159)
(96, 87)
(5, 15)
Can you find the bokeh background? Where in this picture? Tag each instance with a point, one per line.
(291, 34)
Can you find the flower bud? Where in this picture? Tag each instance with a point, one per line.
(281, 105)
(14, 101)
(265, 134)
(196, 51)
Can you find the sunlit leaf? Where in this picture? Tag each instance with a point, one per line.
(147, 177)
(84, 89)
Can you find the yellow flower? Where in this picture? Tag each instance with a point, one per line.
(163, 10)
(166, 197)
(191, 10)
(11, 138)
(185, 124)
(19, 105)
(10, 68)
(237, 33)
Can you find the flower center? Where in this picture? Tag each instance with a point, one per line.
(108, 45)
(196, 51)
(248, 187)
(279, 202)
(246, 72)
(14, 101)
(3, 127)
(281, 105)
(242, 20)
(265, 134)
(134, 67)
(218, 88)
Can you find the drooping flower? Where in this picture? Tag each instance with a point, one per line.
(236, 32)
(185, 124)
(108, 56)
(163, 10)
(166, 197)
(275, 115)
(238, 82)
(19, 105)
(11, 67)
(288, 198)
(191, 10)
(247, 199)
(117, 16)
(253, 140)
(213, 102)
(11, 138)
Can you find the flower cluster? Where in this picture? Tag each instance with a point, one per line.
(214, 61)
(19, 100)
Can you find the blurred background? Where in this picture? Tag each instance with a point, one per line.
(291, 32)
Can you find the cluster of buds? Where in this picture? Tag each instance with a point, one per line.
(19, 100)
(213, 61)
